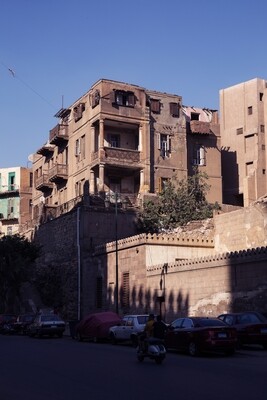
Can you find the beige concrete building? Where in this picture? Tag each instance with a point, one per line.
(15, 199)
(243, 112)
(121, 138)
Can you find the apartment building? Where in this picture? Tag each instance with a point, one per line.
(243, 112)
(15, 199)
(123, 141)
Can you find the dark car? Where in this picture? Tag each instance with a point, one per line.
(46, 325)
(96, 326)
(197, 335)
(22, 323)
(6, 323)
(251, 327)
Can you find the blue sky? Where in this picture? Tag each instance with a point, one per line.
(56, 49)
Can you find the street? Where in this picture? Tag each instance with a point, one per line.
(65, 369)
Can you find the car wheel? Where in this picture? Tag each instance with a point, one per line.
(113, 338)
(192, 349)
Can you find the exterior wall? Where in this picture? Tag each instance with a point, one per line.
(15, 198)
(119, 138)
(242, 229)
(205, 132)
(243, 111)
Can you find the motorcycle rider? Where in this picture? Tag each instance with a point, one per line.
(159, 328)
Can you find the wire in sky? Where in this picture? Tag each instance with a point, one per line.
(15, 76)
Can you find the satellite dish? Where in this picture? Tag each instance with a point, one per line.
(30, 158)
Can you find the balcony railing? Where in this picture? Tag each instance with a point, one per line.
(58, 134)
(117, 156)
(43, 183)
(9, 188)
(58, 173)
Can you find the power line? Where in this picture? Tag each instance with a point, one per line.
(15, 76)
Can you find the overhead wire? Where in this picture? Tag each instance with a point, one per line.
(15, 76)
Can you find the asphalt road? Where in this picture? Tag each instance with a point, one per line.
(64, 369)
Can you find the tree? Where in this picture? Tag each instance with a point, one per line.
(17, 256)
(179, 203)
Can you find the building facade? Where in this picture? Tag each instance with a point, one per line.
(15, 199)
(121, 140)
(243, 112)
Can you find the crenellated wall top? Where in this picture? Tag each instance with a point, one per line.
(210, 261)
(181, 239)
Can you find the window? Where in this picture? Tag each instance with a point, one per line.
(199, 155)
(162, 183)
(95, 98)
(125, 291)
(77, 147)
(250, 110)
(261, 96)
(155, 106)
(123, 98)
(239, 131)
(194, 116)
(9, 230)
(164, 145)
(174, 109)
(78, 111)
(262, 128)
(11, 181)
(115, 140)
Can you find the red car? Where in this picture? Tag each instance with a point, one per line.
(96, 326)
(6, 323)
(251, 327)
(197, 335)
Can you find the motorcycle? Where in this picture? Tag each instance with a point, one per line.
(152, 348)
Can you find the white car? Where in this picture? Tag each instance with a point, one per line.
(129, 328)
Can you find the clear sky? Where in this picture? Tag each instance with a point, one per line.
(52, 51)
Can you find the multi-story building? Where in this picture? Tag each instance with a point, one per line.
(243, 112)
(15, 198)
(122, 139)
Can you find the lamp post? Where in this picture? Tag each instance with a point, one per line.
(116, 290)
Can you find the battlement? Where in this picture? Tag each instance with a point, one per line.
(259, 253)
(174, 239)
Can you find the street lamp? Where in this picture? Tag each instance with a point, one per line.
(116, 291)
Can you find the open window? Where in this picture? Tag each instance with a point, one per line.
(164, 145)
(123, 98)
(199, 155)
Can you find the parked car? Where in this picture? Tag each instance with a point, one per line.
(22, 323)
(96, 326)
(6, 323)
(251, 327)
(197, 335)
(128, 328)
(46, 324)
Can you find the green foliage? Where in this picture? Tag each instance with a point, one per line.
(179, 203)
(17, 256)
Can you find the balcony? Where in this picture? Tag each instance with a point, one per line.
(9, 190)
(8, 217)
(59, 134)
(200, 127)
(43, 184)
(58, 173)
(117, 157)
(45, 150)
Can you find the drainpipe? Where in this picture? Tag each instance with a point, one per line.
(79, 265)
